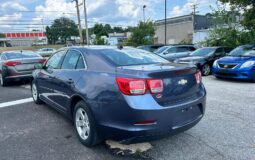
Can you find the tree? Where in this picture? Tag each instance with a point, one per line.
(51, 35)
(249, 11)
(100, 30)
(2, 35)
(64, 28)
(142, 34)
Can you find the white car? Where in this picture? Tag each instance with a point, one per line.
(46, 52)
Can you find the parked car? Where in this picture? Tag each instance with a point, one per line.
(204, 58)
(174, 52)
(46, 52)
(239, 64)
(129, 95)
(150, 48)
(17, 65)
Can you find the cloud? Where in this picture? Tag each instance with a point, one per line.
(10, 7)
(13, 18)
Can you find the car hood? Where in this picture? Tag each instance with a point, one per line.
(231, 59)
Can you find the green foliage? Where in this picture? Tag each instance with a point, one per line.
(2, 35)
(100, 30)
(62, 28)
(99, 41)
(249, 11)
(143, 34)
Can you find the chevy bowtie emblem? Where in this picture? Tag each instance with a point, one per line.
(182, 82)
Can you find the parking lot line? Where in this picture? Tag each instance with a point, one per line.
(12, 103)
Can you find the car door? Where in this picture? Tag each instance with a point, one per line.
(46, 79)
(219, 52)
(170, 53)
(71, 71)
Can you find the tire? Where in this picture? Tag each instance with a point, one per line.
(35, 94)
(3, 81)
(85, 125)
(206, 70)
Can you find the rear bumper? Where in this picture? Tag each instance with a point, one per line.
(19, 77)
(169, 121)
(245, 74)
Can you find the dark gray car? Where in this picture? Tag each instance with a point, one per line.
(16, 65)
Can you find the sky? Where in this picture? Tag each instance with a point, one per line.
(23, 15)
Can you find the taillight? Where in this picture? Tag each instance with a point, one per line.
(155, 85)
(42, 61)
(131, 86)
(198, 77)
(12, 63)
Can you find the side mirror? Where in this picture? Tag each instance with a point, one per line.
(38, 66)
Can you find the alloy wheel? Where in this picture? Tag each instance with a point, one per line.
(34, 92)
(206, 70)
(82, 123)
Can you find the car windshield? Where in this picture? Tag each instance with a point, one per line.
(203, 52)
(241, 51)
(160, 50)
(250, 53)
(15, 55)
(127, 57)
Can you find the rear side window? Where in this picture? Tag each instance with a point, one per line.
(71, 60)
(55, 61)
(80, 63)
(192, 48)
(127, 57)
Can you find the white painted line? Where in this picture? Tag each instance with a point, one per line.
(12, 103)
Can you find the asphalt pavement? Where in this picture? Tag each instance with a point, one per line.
(227, 131)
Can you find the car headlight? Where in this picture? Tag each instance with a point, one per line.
(215, 64)
(247, 64)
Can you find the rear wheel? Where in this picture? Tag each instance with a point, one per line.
(35, 94)
(3, 81)
(85, 125)
(206, 70)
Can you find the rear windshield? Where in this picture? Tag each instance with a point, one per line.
(14, 55)
(127, 57)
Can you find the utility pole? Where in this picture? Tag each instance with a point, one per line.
(79, 20)
(144, 6)
(194, 8)
(86, 22)
(165, 20)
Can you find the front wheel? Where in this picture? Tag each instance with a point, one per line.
(35, 94)
(206, 70)
(85, 125)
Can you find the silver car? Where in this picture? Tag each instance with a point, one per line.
(46, 52)
(17, 65)
(173, 52)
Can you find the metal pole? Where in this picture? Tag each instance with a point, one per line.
(79, 21)
(86, 22)
(144, 13)
(165, 20)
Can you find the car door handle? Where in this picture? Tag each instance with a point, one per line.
(70, 81)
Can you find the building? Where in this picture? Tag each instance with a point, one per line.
(118, 38)
(180, 29)
(26, 38)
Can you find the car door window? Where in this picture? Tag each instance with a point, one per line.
(171, 50)
(220, 52)
(192, 49)
(182, 49)
(70, 60)
(80, 63)
(55, 61)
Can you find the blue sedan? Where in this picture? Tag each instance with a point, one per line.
(128, 94)
(239, 64)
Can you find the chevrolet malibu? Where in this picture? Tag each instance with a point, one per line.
(128, 95)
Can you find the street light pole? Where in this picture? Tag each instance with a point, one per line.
(165, 20)
(144, 6)
(86, 22)
(79, 21)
